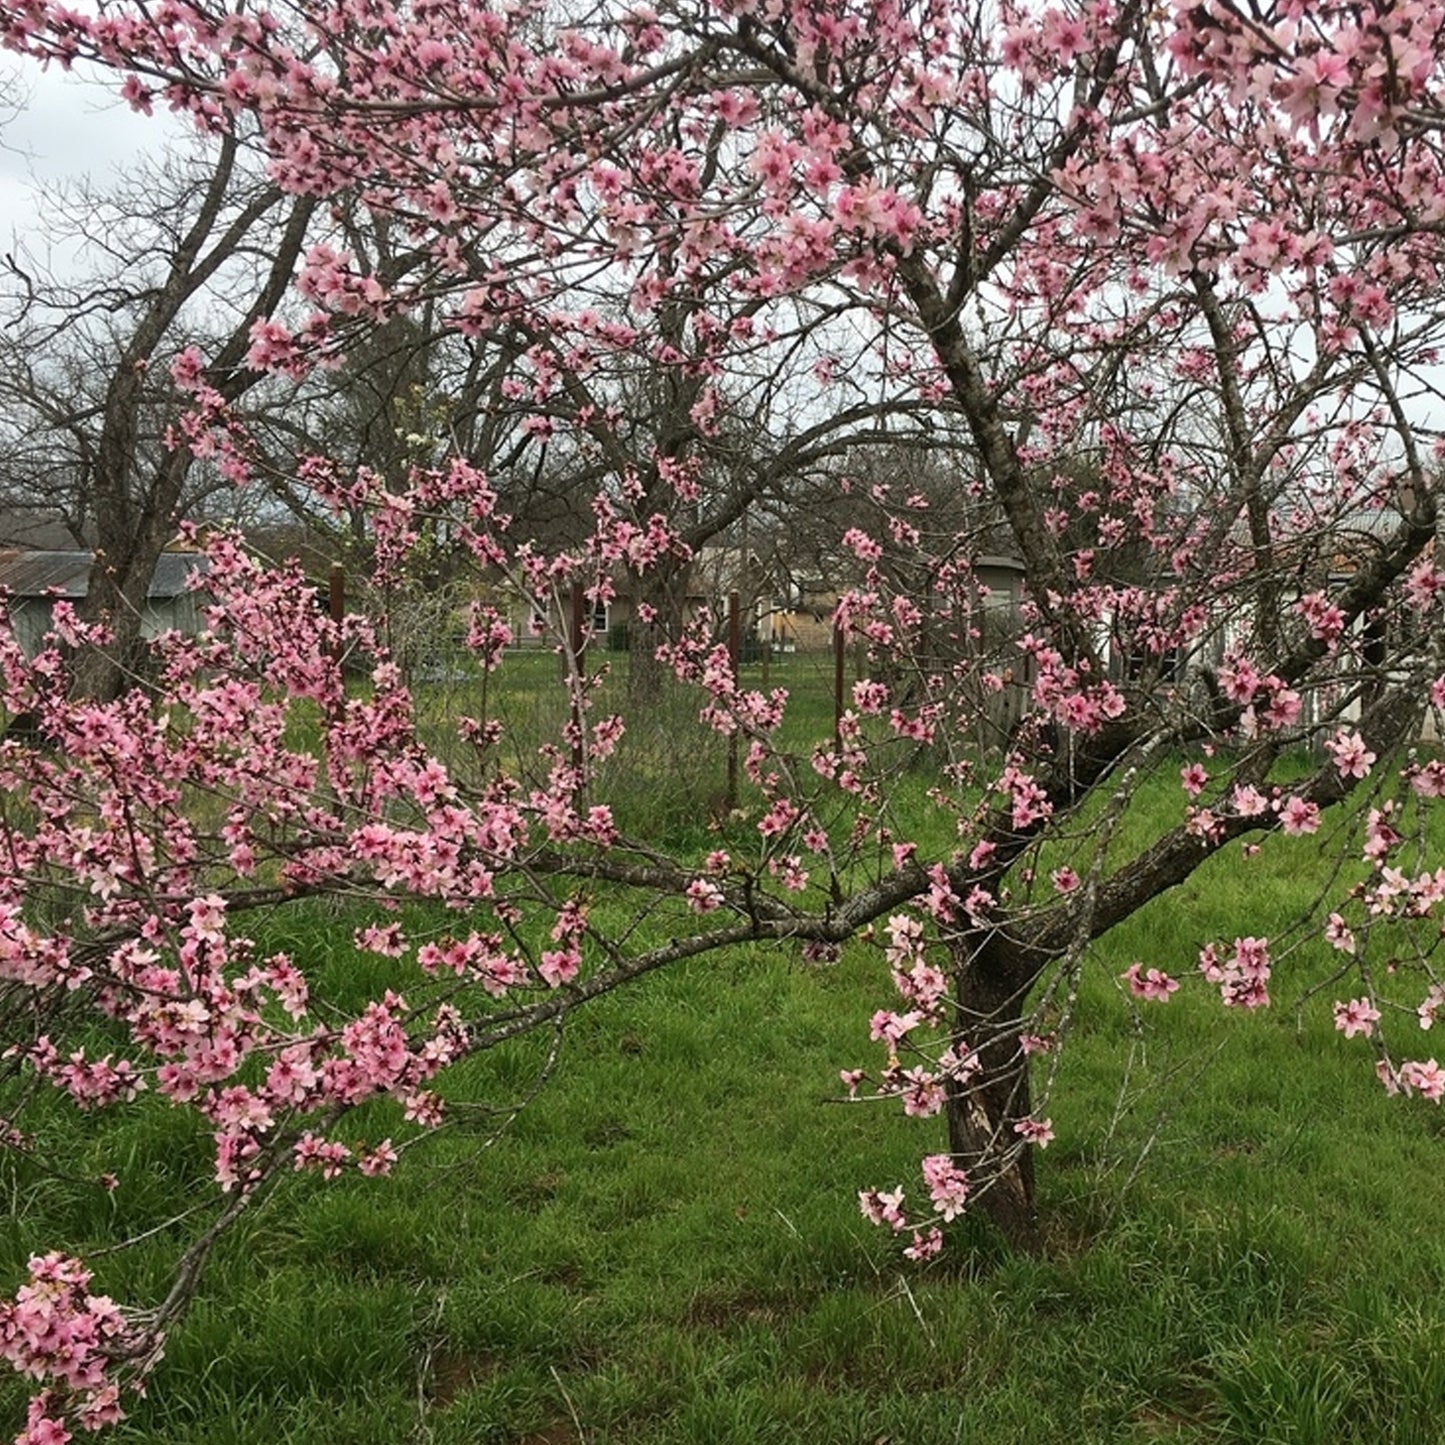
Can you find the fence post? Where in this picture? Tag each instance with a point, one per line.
(336, 603)
(576, 675)
(735, 638)
(839, 654)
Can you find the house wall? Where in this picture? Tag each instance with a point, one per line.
(30, 618)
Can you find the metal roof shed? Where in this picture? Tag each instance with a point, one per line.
(34, 580)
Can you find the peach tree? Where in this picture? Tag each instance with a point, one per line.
(1171, 274)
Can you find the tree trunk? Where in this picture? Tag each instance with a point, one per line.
(133, 529)
(102, 674)
(990, 992)
(664, 589)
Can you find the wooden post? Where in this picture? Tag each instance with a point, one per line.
(336, 604)
(576, 672)
(735, 657)
(577, 636)
(839, 654)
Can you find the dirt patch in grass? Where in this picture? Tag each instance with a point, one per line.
(564, 1432)
(453, 1374)
(721, 1310)
(1066, 1233)
(1173, 1422)
(533, 1195)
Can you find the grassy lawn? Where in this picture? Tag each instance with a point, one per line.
(665, 1246)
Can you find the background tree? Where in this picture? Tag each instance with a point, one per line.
(197, 247)
(1186, 253)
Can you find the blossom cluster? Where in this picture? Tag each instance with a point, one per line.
(56, 1331)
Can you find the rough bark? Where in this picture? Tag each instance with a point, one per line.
(991, 987)
(664, 589)
(129, 546)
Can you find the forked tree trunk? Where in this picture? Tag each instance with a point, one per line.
(990, 992)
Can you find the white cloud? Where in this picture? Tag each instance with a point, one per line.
(62, 126)
(68, 125)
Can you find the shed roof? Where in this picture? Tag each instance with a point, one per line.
(36, 528)
(67, 574)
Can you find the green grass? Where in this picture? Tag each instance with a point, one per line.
(670, 773)
(665, 1248)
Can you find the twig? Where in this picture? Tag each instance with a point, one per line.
(571, 1408)
(424, 1368)
(917, 1313)
(147, 1233)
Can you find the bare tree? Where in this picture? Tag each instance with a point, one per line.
(196, 247)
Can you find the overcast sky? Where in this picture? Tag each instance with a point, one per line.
(66, 127)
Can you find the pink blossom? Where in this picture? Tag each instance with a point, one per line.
(704, 896)
(384, 939)
(1424, 583)
(883, 1208)
(1153, 985)
(326, 1155)
(1243, 978)
(1283, 708)
(1326, 621)
(1248, 801)
(1427, 1078)
(1039, 1132)
(1251, 957)
(1194, 779)
(948, 1185)
(926, 1244)
(960, 1062)
(1298, 817)
(1380, 835)
(559, 966)
(891, 1027)
(1358, 1016)
(42, 1429)
(863, 546)
(790, 870)
(378, 1161)
(1240, 679)
(905, 940)
(870, 697)
(1434, 1000)
(1428, 780)
(922, 1093)
(778, 819)
(55, 1330)
(1352, 757)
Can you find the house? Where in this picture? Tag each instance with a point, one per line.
(34, 580)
